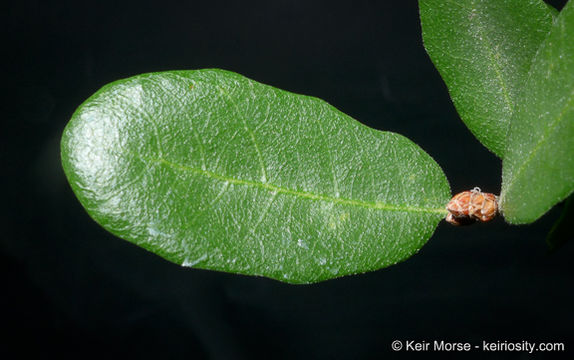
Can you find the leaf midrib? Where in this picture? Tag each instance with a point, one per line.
(301, 194)
(493, 53)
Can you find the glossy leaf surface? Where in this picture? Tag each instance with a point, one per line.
(538, 168)
(483, 50)
(212, 170)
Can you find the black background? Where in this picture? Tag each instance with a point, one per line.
(71, 289)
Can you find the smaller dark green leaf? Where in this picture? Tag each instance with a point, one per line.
(538, 167)
(483, 50)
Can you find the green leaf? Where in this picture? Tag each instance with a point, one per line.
(538, 168)
(483, 50)
(212, 170)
